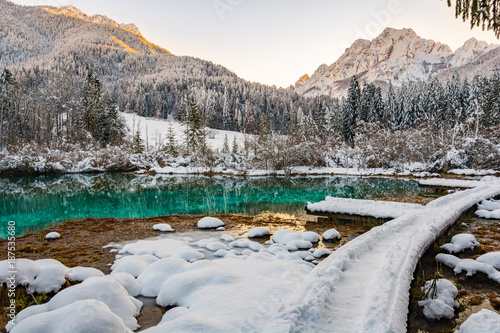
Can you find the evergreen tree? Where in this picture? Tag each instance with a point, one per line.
(195, 135)
(92, 105)
(351, 111)
(235, 146)
(484, 13)
(391, 108)
(171, 146)
(225, 146)
(138, 144)
(7, 84)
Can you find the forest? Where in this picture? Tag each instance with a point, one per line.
(435, 125)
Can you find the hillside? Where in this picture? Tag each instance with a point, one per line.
(143, 78)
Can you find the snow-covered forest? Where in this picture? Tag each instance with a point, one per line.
(430, 125)
(64, 83)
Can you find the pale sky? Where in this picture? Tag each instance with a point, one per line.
(276, 41)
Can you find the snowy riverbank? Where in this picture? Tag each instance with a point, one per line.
(361, 287)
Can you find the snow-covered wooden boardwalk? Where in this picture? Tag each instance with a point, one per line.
(364, 286)
(357, 207)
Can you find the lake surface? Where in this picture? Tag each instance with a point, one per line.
(36, 202)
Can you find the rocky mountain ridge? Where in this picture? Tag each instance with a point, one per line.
(101, 19)
(395, 56)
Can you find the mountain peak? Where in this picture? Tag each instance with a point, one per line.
(395, 56)
(101, 19)
(398, 33)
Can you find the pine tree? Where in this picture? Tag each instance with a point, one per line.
(195, 135)
(92, 105)
(391, 108)
(225, 146)
(351, 111)
(138, 144)
(484, 13)
(171, 146)
(7, 84)
(235, 146)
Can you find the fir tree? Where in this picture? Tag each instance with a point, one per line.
(171, 146)
(225, 146)
(351, 111)
(235, 149)
(7, 84)
(92, 105)
(138, 144)
(484, 13)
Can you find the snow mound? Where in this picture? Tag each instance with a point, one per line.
(322, 252)
(377, 209)
(212, 292)
(226, 238)
(259, 232)
(162, 248)
(448, 260)
(152, 278)
(489, 209)
(331, 234)
(461, 242)
(485, 321)
(79, 274)
(489, 214)
(85, 316)
(41, 276)
(439, 301)
(492, 258)
(106, 290)
(210, 223)
(471, 266)
(53, 235)
(163, 227)
(295, 240)
(245, 243)
(134, 265)
(489, 205)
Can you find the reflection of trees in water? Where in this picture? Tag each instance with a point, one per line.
(47, 199)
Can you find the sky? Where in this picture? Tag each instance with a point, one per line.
(276, 41)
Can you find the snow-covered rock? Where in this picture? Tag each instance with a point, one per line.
(331, 234)
(321, 252)
(484, 321)
(106, 290)
(226, 238)
(259, 232)
(440, 299)
(80, 274)
(134, 265)
(471, 266)
(163, 227)
(53, 235)
(83, 316)
(461, 242)
(492, 258)
(210, 223)
(162, 248)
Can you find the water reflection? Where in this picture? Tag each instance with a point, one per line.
(35, 202)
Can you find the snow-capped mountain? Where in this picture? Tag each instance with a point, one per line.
(395, 56)
(102, 19)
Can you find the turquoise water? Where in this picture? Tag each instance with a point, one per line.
(36, 202)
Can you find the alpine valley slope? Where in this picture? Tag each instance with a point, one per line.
(398, 56)
(38, 42)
